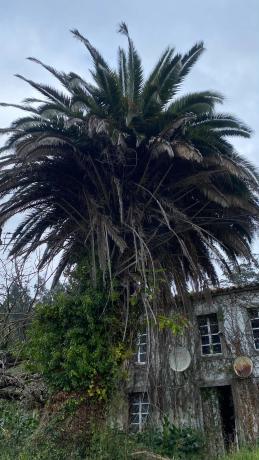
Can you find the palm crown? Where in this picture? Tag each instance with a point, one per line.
(123, 169)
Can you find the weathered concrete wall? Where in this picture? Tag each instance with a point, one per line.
(245, 393)
(179, 394)
(172, 394)
(212, 421)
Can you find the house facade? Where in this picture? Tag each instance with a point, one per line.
(208, 394)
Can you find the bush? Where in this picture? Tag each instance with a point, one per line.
(171, 441)
(62, 431)
(74, 345)
(16, 427)
(111, 444)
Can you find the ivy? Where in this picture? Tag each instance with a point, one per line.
(176, 323)
(75, 340)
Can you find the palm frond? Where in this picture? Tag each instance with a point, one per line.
(134, 68)
(198, 103)
(123, 74)
(97, 57)
(61, 76)
(48, 91)
(190, 58)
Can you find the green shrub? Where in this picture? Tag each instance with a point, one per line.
(111, 444)
(171, 441)
(58, 433)
(16, 427)
(74, 344)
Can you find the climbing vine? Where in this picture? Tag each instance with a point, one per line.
(75, 340)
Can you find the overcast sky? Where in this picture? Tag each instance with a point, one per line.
(229, 28)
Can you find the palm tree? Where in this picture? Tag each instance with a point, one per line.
(123, 169)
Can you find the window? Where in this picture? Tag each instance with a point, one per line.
(141, 353)
(254, 318)
(209, 332)
(139, 410)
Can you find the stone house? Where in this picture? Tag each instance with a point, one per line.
(208, 395)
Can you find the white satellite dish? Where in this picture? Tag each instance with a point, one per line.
(179, 359)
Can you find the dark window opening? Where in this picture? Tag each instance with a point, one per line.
(209, 333)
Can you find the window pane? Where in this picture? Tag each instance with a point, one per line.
(204, 330)
(143, 338)
(134, 409)
(142, 348)
(144, 398)
(202, 320)
(253, 312)
(144, 407)
(205, 340)
(205, 350)
(256, 333)
(213, 318)
(214, 328)
(215, 338)
(255, 323)
(135, 402)
(134, 399)
(134, 418)
(144, 418)
(216, 348)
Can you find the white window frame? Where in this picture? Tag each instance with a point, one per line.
(254, 328)
(210, 334)
(142, 341)
(139, 409)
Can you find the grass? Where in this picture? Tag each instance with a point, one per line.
(244, 454)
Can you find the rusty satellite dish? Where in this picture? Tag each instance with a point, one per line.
(243, 366)
(179, 359)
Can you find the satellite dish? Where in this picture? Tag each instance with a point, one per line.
(179, 359)
(243, 366)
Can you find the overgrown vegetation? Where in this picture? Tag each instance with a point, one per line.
(75, 340)
(174, 442)
(61, 434)
(58, 435)
(77, 343)
(16, 427)
(244, 454)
